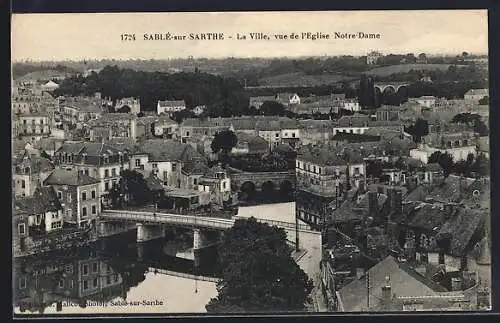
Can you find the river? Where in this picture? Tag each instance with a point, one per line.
(117, 275)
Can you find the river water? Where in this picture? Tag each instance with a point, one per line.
(118, 276)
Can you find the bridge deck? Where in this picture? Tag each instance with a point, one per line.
(193, 221)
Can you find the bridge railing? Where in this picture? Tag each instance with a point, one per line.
(282, 224)
(187, 220)
(182, 275)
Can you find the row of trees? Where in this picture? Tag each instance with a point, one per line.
(472, 166)
(222, 96)
(473, 121)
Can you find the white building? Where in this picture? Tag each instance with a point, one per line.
(373, 57)
(476, 94)
(426, 101)
(351, 105)
(134, 104)
(170, 106)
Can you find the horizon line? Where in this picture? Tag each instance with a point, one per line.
(441, 54)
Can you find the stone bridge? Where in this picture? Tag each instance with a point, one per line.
(392, 87)
(266, 182)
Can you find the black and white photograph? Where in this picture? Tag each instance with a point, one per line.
(289, 162)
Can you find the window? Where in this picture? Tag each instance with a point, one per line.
(154, 165)
(293, 134)
(113, 172)
(314, 169)
(108, 280)
(106, 186)
(137, 162)
(174, 167)
(85, 284)
(286, 134)
(41, 121)
(277, 135)
(61, 283)
(94, 267)
(93, 194)
(21, 227)
(84, 211)
(187, 133)
(94, 209)
(106, 173)
(71, 284)
(356, 170)
(69, 268)
(23, 184)
(224, 185)
(68, 214)
(22, 282)
(87, 172)
(85, 269)
(69, 197)
(195, 181)
(84, 195)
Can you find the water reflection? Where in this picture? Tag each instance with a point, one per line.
(116, 275)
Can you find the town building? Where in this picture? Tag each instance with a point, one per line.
(395, 285)
(50, 86)
(351, 105)
(29, 171)
(315, 131)
(458, 145)
(258, 101)
(166, 127)
(36, 124)
(357, 123)
(373, 57)
(133, 105)
(388, 113)
(476, 94)
(77, 111)
(114, 125)
(191, 174)
(426, 101)
(216, 182)
(323, 175)
(165, 158)
(170, 106)
(79, 195)
(97, 160)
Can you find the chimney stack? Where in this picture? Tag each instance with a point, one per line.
(372, 204)
(386, 295)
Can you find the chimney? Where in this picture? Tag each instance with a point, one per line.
(372, 204)
(386, 295)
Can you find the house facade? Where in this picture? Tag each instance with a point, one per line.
(96, 160)
(29, 171)
(169, 106)
(134, 104)
(79, 195)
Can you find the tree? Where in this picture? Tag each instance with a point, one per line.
(446, 163)
(131, 189)
(374, 169)
(418, 130)
(258, 273)
(481, 128)
(484, 101)
(434, 157)
(272, 108)
(367, 94)
(465, 54)
(224, 141)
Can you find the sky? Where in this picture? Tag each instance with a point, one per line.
(78, 36)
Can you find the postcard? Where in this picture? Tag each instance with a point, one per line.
(250, 162)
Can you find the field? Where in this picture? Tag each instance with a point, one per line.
(301, 79)
(404, 68)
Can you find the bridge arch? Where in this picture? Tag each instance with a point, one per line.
(268, 187)
(248, 189)
(389, 90)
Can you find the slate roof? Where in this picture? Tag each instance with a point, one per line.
(69, 177)
(43, 200)
(255, 143)
(428, 216)
(90, 148)
(356, 120)
(326, 155)
(83, 106)
(354, 137)
(195, 168)
(451, 189)
(462, 228)
(36, 163)
(418, 194)
(167, 150)
(171, 103)
(354, 297)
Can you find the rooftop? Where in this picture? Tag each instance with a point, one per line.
(43, 200)
(171, 103)
(69, 177)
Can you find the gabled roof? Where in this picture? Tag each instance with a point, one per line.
(167, 150)
(195, 168)
(462, 228)
(69, 177)
(356, 120)
(89, 148)
(353, 296)
(43, 200)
